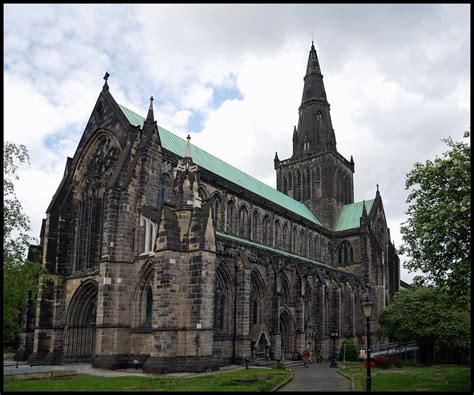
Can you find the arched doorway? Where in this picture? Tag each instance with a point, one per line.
(79, 333)
(287, 336)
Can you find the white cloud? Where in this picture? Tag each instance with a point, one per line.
(397, 78)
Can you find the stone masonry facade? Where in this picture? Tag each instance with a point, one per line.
(158, 261)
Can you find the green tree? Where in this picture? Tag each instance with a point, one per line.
(427, 316)
(437, 233)
(349, 350)
(19, 274)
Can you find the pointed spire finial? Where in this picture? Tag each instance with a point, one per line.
(187, 150)
(364, 210)
(378, 193)
(150, 116)
(106, 77)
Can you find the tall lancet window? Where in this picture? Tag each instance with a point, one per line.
(255, 223)
(290, 181)
(216, 208)
(165, 189)
(276, 241)
(150, 229)
(230, 216)
(298, 185)
(317, 179)
(307, 184)
(319, 116)
(243, 219)
(266, 235)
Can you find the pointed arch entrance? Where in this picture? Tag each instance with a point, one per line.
(287, 331)
(79, 333)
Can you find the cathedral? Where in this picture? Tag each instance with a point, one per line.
(162, 256)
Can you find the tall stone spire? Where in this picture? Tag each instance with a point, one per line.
(314, 133)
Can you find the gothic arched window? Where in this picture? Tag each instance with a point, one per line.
(290, 181)
(223, 299)
(277, 242)
(286, 238)
(89, 217)
(243, 218)
(298, 185)
(266, 234)
(295, 241)
(255, 226)
(319, 116)
(216, 208)
(150, 229)
(142, 297)
(307, 186)
(302, 243)
(317, 179)
(285, 291)
(230, 216)
(345, 253)
(165, 189)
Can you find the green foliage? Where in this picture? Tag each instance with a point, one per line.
(426, 315)
(248, 380)
(19, 275)
(437, 232)
(411, 377)
(351, 350)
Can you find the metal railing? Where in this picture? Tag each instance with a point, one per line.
(395, 348)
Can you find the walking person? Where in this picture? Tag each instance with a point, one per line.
(306, 355)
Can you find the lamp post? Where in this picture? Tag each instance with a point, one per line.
(367, 307)
(334, 335)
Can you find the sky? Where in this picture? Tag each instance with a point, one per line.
(397, 78)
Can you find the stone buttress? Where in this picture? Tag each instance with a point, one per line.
(184, 271)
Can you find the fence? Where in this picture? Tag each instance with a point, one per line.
(409, 351)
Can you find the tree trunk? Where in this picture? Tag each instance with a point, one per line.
(428, 353)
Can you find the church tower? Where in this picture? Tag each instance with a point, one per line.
(316, 174)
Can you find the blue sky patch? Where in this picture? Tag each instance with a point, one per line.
(196, 122)
(221, 94)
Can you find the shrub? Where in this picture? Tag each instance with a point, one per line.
(351, 350)
(372, 364)
(386, 361)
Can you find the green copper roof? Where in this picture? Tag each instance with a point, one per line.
(277, 251)
(351, 213)
(176, 144)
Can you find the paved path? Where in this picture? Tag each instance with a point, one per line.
(318, 377)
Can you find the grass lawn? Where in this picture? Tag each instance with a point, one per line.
(241, 380)
(412, 377)
(8, 356)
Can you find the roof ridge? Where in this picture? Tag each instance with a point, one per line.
(137, 120)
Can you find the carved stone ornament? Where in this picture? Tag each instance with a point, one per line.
(103, 157)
